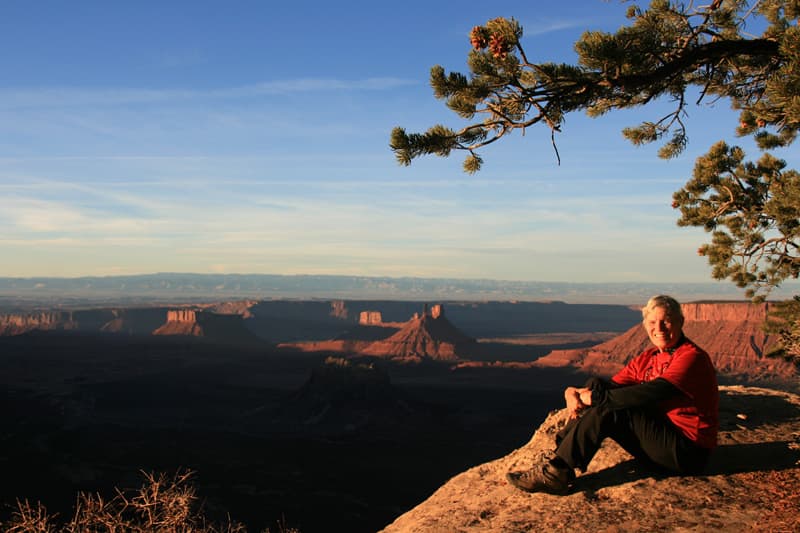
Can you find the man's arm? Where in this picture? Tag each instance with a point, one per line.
(612, 396)
(649, 393)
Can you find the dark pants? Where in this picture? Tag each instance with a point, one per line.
(645, 434)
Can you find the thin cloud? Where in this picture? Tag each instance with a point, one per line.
(101, 195)
(80, 97)
(316, 85)
(545, 27)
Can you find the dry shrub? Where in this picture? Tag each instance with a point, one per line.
(162, 505)
(30, 518)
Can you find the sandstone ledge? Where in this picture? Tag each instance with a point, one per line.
(750, 485)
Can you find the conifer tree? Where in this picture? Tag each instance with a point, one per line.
(688, 54)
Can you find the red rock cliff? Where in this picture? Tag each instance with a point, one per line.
(198, 323)
(426, 336)
(17, 324)
(729, 331)
(181, 322)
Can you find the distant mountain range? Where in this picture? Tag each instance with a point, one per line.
(171, 287)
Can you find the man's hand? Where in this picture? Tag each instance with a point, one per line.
(586, 397)
(577, 400)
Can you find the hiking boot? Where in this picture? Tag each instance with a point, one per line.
(545, 477)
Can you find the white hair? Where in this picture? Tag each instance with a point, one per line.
(664, 302)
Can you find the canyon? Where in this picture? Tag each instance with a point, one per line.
(290, 409)
(308, 320)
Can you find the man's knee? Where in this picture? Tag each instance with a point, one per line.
(601, 415)
(594, 421)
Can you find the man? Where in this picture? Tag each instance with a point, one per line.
(662, 407)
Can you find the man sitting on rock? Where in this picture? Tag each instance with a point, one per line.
(662, 407)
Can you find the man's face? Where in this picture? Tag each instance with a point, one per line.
(663, 329)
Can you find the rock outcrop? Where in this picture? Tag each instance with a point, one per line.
(750, 484)
(181, 322)
(370, 318)
(199, 323)
(731, 333)
(127, 321)
(19, 323)
(426, 336)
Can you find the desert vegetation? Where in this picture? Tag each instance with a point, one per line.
(163, 503)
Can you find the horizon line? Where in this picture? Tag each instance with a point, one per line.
(367, 276)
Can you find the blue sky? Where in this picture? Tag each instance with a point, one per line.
(249, 137)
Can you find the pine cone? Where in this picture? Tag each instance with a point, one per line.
(477, 37)
(498, 46)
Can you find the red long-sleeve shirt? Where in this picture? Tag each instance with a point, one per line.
(695, 412)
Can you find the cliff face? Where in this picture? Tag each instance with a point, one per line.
(180, 322)
(725, 312)
(731, 333)
(429, 336)
(130, 321)
(17, 324)
(199, 323)
(222, 318)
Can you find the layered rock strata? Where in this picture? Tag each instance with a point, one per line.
(731, 332)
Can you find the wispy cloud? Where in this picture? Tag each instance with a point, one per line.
(81, 97)
(543, 27)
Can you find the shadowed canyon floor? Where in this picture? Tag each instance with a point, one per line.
(268, 440)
